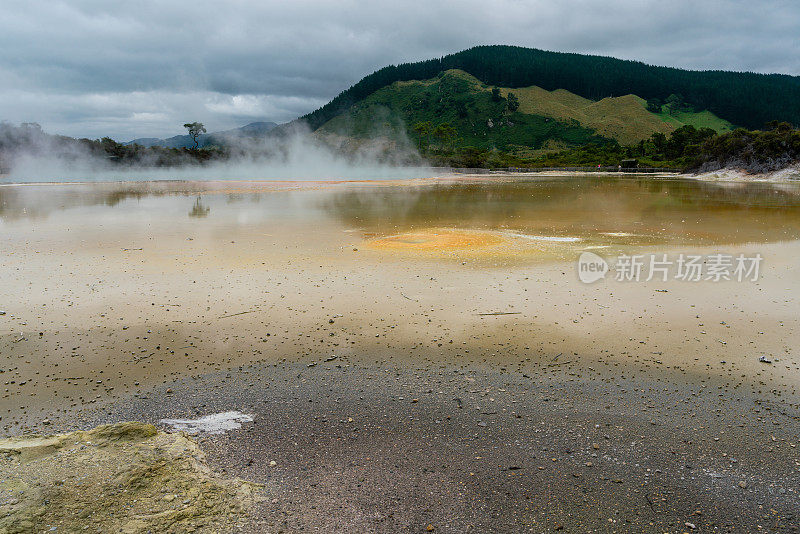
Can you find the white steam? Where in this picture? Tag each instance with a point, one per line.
(297, 154)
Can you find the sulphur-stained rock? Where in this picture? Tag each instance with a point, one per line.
(126, 477)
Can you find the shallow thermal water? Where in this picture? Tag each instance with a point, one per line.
(110, 288)
(557, 216)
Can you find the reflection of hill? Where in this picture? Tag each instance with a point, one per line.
(590, 205)
(676, 211)
(27, 201)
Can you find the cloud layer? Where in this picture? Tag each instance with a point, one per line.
(93, 68)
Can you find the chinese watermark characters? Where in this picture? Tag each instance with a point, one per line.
(662, 267)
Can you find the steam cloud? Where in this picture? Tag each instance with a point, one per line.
(29, 155)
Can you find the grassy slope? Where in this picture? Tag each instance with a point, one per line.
(463, 101)
(622, 118)
(702, 119)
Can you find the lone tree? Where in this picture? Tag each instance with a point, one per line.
(195, 129)
(512, 103)
(424, 131)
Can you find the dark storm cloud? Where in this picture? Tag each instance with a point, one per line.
(92, 67)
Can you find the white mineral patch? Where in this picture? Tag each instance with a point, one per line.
(217, 423)
(557, 239)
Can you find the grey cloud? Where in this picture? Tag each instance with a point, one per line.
(92, 67)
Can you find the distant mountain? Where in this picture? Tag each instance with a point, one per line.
(742, 98)
(248, 131)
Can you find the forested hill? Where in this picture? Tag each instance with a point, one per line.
(743, 98)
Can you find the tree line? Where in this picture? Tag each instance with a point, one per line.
(774, 147)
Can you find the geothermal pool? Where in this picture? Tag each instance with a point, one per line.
(109, 288)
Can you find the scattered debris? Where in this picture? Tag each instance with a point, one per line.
(235, 314)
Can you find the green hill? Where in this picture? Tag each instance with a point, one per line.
(703, 119)
(742, 98)
(624, 119)
(457, 99)
(543, 121)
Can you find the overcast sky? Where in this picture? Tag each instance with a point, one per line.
(144, 67)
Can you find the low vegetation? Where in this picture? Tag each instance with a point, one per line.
(771, 149)
(686, 149)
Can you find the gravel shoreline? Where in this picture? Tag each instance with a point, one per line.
(465, 449)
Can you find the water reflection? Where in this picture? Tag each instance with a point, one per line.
(40, 201)
(643, 211)
(199, 209)
(636, 210)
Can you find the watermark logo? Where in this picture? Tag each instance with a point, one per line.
(662, 267)
(591, 267)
